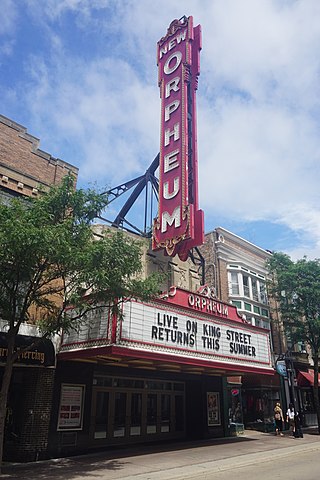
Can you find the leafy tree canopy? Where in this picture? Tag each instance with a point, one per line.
(296, 287)
(50, 257)
(51, 260)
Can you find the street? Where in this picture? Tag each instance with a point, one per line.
(298, 466)
(255, 455)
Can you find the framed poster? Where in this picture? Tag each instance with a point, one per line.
(70, 414)
(213, 409)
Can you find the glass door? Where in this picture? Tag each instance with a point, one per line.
(101, 414)
(152, 413)
(120, 407)
(179, 413)
(165, 413)
(126, 411)
(136, 414)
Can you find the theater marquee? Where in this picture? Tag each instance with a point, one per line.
(179, 225)
(187, 334)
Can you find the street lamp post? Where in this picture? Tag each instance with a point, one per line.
(290, 376)
(291, 379)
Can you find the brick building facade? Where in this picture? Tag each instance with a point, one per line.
(26, 170)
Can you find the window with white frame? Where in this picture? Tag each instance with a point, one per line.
(234, 283)
(262, 292)
(247, 284)
(254, 288)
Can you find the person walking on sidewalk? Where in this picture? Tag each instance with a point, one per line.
(278, 419)
(298, 425)
(291, 418)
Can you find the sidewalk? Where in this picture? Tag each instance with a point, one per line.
(174, 461)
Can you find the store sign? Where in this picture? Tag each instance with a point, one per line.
(281, 368)
(208, 305)
(179, 225)
(149, 326)
(32, 351)
(200, 302)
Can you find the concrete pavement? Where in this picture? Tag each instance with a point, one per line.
(174, 461)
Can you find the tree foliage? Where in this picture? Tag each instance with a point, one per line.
(296, 287)
(50, 259)
(297, 290)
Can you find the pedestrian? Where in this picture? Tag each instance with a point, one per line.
(298, 425)
(291, 418)
(278, 419)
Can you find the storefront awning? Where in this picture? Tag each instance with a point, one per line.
(33, 351)
(305, 379)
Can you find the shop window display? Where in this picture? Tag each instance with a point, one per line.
(258, 409)
(235, 413)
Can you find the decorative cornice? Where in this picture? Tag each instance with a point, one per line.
(23, 133)
(173, 28)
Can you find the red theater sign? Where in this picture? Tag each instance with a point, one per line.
(179, 225)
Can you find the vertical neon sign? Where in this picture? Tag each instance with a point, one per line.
(179, 225)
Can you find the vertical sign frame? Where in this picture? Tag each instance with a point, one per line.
(179, 225)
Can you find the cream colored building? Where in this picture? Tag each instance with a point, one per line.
(236, 271)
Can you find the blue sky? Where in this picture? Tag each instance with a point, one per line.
(81, 75)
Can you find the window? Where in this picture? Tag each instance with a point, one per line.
(256, 310)
(266, 325)
(234, 283)
(263, 293)
(247, 283)
(264, 312)
(246, 289)
(247, 306)
(254, 286)
(236, 303)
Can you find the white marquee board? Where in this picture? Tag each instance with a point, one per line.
(151, 327)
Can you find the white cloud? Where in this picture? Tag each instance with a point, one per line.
(109, 118)
(259, 129)
(259, 153)
(8, 17)
(258, 99)
(54, 9)
(7, 28)
(266, 48)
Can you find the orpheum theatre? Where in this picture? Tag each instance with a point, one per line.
(164, 371)
(168, 368)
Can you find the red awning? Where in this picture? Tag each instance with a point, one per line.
(305, 379)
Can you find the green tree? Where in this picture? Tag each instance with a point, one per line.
(50, 259)
(296, 287)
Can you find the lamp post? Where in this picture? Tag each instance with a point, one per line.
(291, 379)
(288, 374)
